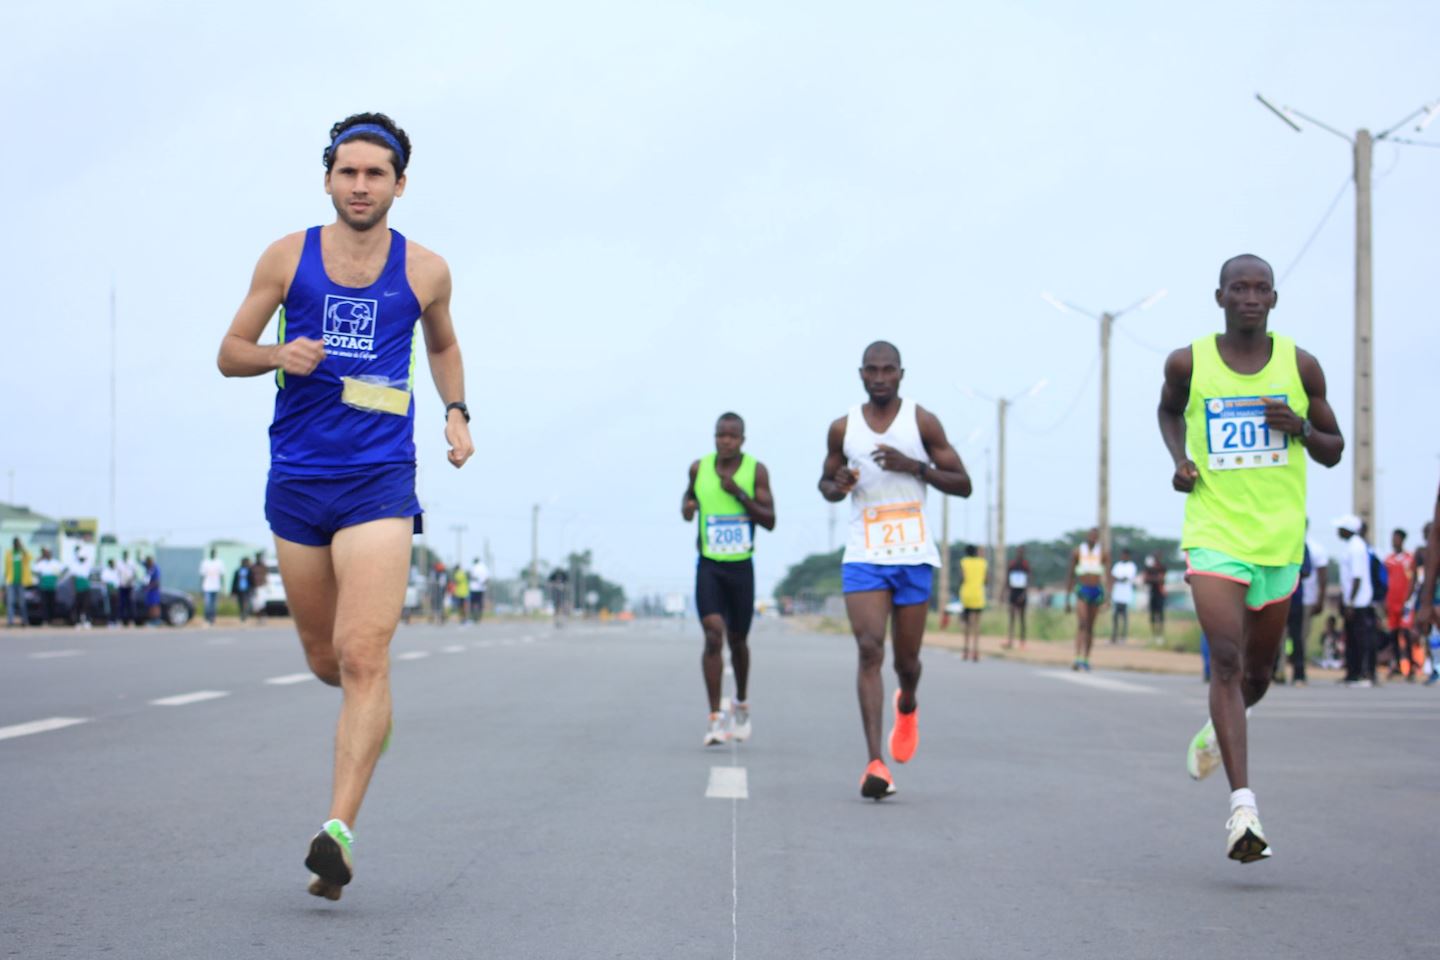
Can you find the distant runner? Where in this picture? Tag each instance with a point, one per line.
(1090, 567)
(1238, 413)
(884, 455)
(974, 573)
(730, 492)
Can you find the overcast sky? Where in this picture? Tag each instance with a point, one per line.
(655, 212)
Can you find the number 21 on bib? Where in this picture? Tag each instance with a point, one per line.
(1238, 438)
(894, 530)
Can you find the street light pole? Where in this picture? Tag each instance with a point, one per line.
(1107, 326)
(1363, 435)
(535, 547)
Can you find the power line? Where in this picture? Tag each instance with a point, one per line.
(1070, 407)
(1339, 195)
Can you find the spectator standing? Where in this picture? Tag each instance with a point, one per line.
(110, 578)
(1400, 574)
(439, 584)
(974, 574)
(1307, 602)
(1357, 599)
(1018, 579)
(240, 588)
(17, 576)
(152, 591)
(47, 572)
(1122, 576)
(559, 582)
(80, 569)
(127, 573)
(212, 581)
(259, 573)
(479, 580)
(1154, 578)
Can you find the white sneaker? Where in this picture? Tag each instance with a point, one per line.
(1247, 841)
(740, 722)
(1203, 756)
(718, 731)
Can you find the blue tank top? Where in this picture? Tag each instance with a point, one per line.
(368, 332)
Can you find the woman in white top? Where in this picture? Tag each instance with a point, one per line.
(1089, 564)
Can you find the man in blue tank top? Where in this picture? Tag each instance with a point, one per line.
(352, 298)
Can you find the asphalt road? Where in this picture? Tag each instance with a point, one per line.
(546, 797)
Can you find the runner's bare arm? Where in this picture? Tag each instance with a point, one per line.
(836, 477)
(241, 354)
(690, 503)
(1174, 396)
(761, 507)
(430, 278)
(945, 471)
(1326, 443)
(1425, 612)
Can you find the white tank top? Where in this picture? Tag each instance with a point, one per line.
(1092, 563)
(887, 509)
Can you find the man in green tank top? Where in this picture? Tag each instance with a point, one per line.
(730, 492)
(1239, 412)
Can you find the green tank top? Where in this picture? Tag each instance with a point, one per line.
(727, 533)
(1250, 499)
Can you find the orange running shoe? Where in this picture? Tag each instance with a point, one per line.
(877, 784)
(905, 735)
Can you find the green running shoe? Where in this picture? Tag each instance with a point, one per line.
(330, 861)
(1203, 756)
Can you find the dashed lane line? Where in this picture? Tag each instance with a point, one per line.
(1099, 683)
(185, 699)
(39, 726)
(413, 655)
(55, 654)
(289, 678)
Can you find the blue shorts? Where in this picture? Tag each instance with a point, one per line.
(910, 583)
(311, 510)
(1091, 594)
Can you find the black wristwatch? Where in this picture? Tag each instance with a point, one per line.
(1306, 429)
(920, 474)
(458, 405)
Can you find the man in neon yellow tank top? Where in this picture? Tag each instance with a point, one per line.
(1239, 413)
(730, 491)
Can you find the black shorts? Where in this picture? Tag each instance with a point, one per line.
(1157, 605)
(728, 589)
(1019, 596)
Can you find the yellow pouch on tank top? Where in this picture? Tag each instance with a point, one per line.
(375, 395)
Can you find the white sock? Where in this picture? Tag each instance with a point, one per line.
(1244, 797)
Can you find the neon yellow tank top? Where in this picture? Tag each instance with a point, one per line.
(727, 533)
(1250, 499)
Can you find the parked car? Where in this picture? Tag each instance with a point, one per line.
(176, 608)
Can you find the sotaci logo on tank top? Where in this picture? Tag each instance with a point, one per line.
(349, 326)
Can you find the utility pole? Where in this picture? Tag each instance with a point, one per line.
(1362, 437)
(1000, 560)
(114, 519)
(535, 547)
(459, 531)
(1107, 325)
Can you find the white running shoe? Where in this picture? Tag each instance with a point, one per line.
(1203, 756)
(1247, 841)
(718, 731)
(740, 722)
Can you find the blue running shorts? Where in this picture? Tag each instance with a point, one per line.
(311, 510)
(910, 583)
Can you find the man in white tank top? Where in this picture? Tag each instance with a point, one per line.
(1089, 566)
(884, 455)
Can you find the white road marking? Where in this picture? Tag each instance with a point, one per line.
(289, 678)
(52, 654)
(728, 783)
(413, 655)
(1099, 683)
(39, 726)
(183, 699)
(453, 648)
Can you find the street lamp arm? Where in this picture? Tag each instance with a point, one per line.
(1323, 126)
(1279, 113)
(1430, 109)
